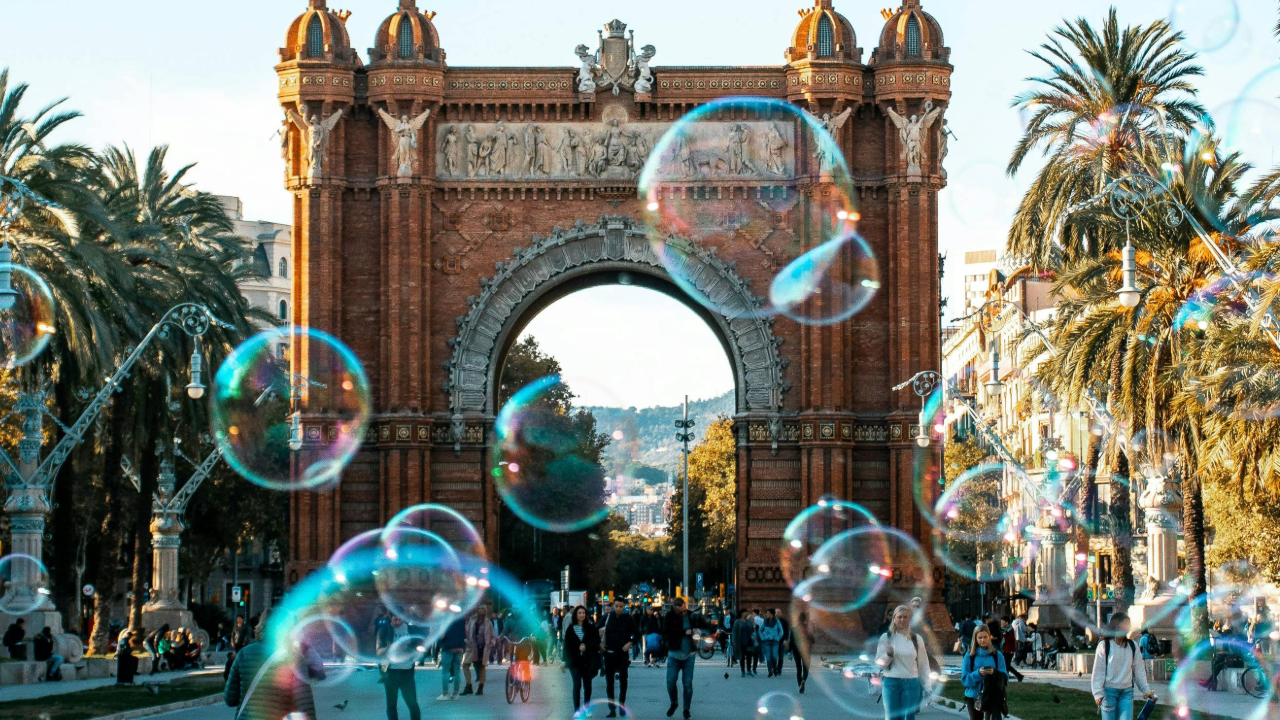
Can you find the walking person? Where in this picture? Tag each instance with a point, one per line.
(581, 655)
(651, 626)
(984, 675)
(677, 629)
(400, 680)
(1008, 644)
(1021, 640)
(1118, 668)
(904, 662)
(744, 642)
(771, 642)
(242, 635)
(967, 626)
(154, 643)
(452, 645)
(758, 620)
(618, 637)
(801, 641)
(479, 635)
(263, 685)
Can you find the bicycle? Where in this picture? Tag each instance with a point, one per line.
(520, 673)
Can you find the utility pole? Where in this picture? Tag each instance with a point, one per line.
(685, 436)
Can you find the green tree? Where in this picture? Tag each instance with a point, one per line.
(713, 489)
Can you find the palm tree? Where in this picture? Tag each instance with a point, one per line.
(1105, 99)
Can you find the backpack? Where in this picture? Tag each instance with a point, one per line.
(921, 650)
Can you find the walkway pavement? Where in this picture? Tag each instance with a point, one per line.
(47, 689)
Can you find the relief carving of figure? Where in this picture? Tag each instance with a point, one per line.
(590, 67)
(775, 143)
(498, 151)
(616, 144)
(485, 155)
(599, 158)
(644, 83)
(570, 153)
(473, 151)
(944, 135)
(317, 132)
(449, 151)
(541, 152)
(406, 139)
(637, 152)
(910, 133)
(740, 150)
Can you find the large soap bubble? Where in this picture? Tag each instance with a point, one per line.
(290, 407)
(26, 314)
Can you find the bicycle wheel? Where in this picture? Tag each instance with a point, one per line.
(1254, 682)
(706, 653)
(511, 688)
(524, 692)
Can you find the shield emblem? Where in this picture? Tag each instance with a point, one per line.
(615, 57)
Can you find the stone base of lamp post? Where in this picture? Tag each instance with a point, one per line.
(68, 646)
(174, 617)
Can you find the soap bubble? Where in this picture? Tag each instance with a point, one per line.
(812, 528)
(26, 315)
(983, 536)
(1207, 26)
(283, 443)
(24, 584)
(828, 284)
(421, 579)
(778, 705)
(542, 470)
(318, 650)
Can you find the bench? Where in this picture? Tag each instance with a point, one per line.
(21, 672)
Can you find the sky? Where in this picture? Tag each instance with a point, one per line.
(199, 77)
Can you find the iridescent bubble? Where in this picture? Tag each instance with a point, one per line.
(542, 470)
(1193, 685)
(1207, 26)
(601, 708)
(421, 579)
(407, 649)
(983, 537)
(865, 564)
(442, 520)
(764, 147)
(27, 321)
(778, 705)
(828, 284)
(24, 584)
(317, 648)
(290, 407)
(813, 527)
(1246, 126)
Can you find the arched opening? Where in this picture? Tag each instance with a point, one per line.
(826, 38)
(404, 34)
(315, 37)
(913, 36)
(284, 310)
(630, 346)
(284, 267)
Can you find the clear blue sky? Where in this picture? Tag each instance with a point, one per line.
(199, 77)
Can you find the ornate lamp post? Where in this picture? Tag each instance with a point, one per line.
(684, 434)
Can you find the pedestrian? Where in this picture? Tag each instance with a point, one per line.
(1117, 669)
(618, 636)
(263, 685)
(652, 629)
(967, 626)
(677, 629)
(452, 644)
(383, 636)
(637, 615)
(1008, 645)
(802, 648)
(127, 662)
(156, 643)
(242, 635)
(1021, 639)
(400, 680)
(904, 662)
(786, 633)
(984, 676)
(479, 635)
(581, 655)
(771, 643)
(744, 642)
(42, 648)
(758, 620)
(13, 639)
(1148, 644)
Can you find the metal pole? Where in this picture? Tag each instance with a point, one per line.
(685, 505)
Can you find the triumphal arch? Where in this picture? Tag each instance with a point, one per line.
(437, 208)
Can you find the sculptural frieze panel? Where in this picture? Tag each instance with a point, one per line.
(613, 150)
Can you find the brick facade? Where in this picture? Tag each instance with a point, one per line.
(387, 263)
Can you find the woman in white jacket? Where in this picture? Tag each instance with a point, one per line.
(903, 659)
(1118, 668)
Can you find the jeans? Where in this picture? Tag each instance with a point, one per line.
(450, 669)
(615, 663)
(51, 666)
(802, 669)
(772, 662)
(676, 666)
(1117, 704)
(401, 682)
(581, 686)
(901, 698)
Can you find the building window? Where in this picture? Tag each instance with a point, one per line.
(284, 310)
(315, 37)
(405, 35)
(284, 267)
(826, 38)
(913, 36)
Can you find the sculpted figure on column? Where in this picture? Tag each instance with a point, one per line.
(406, 134)
(586, 76)
(317, 132)
(828, 147)
(644, 83)
(910, 133)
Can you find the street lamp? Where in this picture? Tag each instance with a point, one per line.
(684, 434)
(1128, 293)
(196, 388)
(994, 385)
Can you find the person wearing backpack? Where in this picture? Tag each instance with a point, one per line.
(264, 685)
(904, 663)
(984, 675)
(1118, 668)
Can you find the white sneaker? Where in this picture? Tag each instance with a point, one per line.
(454, 696)
(442, 697)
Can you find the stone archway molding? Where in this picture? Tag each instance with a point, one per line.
(613, 243)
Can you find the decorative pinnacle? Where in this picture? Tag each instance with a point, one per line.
(886, 14)
(410, 5)
(616, 28)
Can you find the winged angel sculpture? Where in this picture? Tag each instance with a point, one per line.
(406, 134)
(829, 146)
(911, 132)
(317, 135)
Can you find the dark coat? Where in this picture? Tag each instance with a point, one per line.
(588, 660)
(618, 631)
(745, 637)
(279, 692)
(673, 629)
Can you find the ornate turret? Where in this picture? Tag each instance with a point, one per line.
(910, 34)
(319, 35)
(823, 34)
(407, 36)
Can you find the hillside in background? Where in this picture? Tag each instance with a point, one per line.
(649, 434)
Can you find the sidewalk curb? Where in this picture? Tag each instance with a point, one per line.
(161, 709)
(961, 711)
